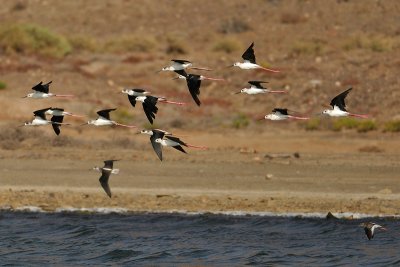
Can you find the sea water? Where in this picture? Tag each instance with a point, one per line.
(119, 238)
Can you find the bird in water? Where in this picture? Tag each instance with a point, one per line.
(106, 171)
(370, 227)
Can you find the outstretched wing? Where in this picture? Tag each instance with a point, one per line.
(105, 113)
(175, 139)
(283, 111)
(150, 108)
(56, 123)
(181, 72)
(105, 175)
(339, 100)
(109, 163)
(41, 113)
(40, 87)
(257, 84)
(180, 61)
(179, 148)
(132, 100)
(249, 54)
(194, 83)
(157, 146)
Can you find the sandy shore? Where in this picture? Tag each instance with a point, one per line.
(225, 178)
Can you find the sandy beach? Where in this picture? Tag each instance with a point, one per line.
(251, 176)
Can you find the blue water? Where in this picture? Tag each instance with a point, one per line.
(71, 239)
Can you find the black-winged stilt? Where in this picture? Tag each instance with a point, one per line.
(104, 119)
(106, 171)
(249, 62)
(42, 91)
(40, 119)
(193, 82)
(175, 142)
(280, 114)
(257, 88)
(149, 104)
(370, 227)
(181, 64)
(156, 134)
(135, 92)
(339, 107)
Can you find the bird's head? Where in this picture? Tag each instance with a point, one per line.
(28, 95)
(268, 117)
(326, 112)
(236, 64)
(158, 140)
(148, 132)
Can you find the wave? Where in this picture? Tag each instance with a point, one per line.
(107, 210)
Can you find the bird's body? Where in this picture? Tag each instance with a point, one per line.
(135, 92)
(180, 64)
(175, 142)
(257, 88)
(280, 114)
(370, 227)
(249, 61)
(106, 171)
(104, 119)
(149, 104)
(41, 91)
(156, 134)
(193, 82)
(59, 112)
(339, 107)
(40, 119)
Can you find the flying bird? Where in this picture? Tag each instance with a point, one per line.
(181, 64)
(149, 104)
(156, 134)
(41, 91)
(279, 114)
(175, 142)
(106, 171)
(339, 107)
(135, 92)
(370, 228)
(104, 119)
(40, 119)
(257, 88)
(193, 82)
(249, 61)
(60, 112)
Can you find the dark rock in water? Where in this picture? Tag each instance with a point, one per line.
(330, 216)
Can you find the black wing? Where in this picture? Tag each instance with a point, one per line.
(56, 123)
(109, 163)
(157, 146)
(283, 111)
(40, 87)
(181, 72)
(132, 100)
(257, 83)
(150, 108)
(180, 149)
(105, 113)
(41, 113)
(58, 109)
(175, 139)
(368, 232)
(249, 54)
(193, 82)
(339, 100)
(180, 61)
(138, 90)
(105, 175)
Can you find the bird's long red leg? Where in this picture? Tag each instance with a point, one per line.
(277, 91)
(214, 79)
(63, 95)
(74, 115)
(198, 68)
(363, 116)
(172, 102)
(124, 125)
(298, 118)
(270, 70)
(198, 147)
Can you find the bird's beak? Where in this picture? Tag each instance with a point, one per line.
(139, 132)
(21, 125)
(237, 92)
(158, 71)
(230, 66)
(24, 96)
(176, 78)
(261, 119)
(83, 124)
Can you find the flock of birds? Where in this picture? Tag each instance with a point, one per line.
(160, 138)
